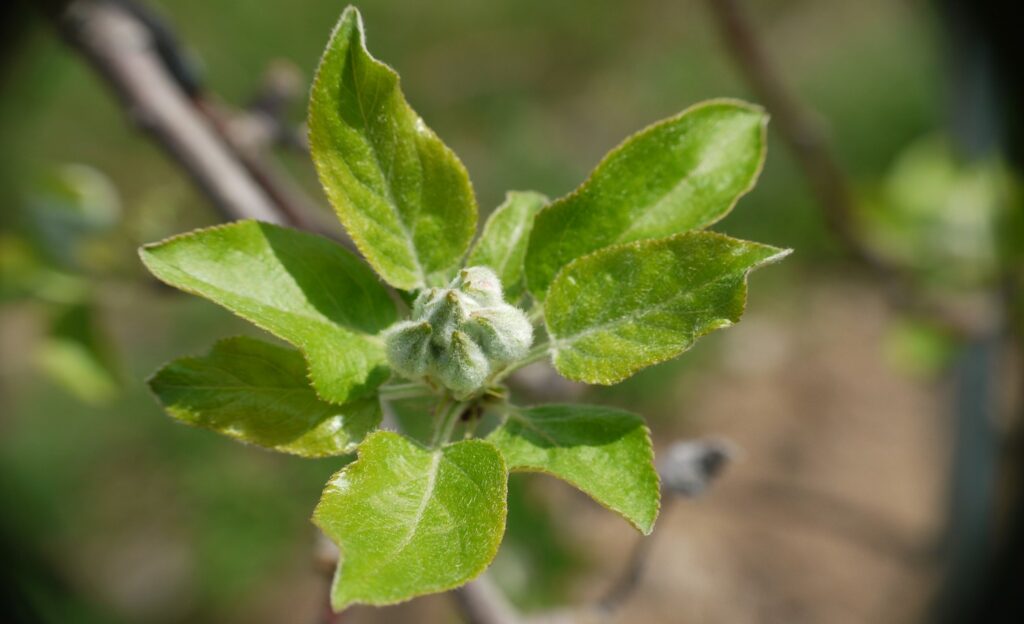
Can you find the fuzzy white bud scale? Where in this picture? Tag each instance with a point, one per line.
(459, 335)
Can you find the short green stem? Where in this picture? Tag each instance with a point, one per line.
(446, 421)
(395, 392)
(537, 353)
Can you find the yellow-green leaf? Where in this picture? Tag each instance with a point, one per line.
(410, 520)
(403, 196)
(300, 287)
(79, 355)
(258, 392)
(602, 451)
(627, 307)
(682, 173)
(502, 245)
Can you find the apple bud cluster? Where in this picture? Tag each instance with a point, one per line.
(458, 336)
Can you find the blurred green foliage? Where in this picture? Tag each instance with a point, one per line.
(151, 521)
(938, 216)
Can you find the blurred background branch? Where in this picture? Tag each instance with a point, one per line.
(140, 58)
(122, 50)
(847, 455)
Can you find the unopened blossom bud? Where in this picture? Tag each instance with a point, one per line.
(421, 301)
(462, 367)
(481, 284)
(503, 332)
(459, 335)
(408, 347)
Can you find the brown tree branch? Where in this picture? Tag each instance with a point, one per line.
(797, 127)
(803, 135)
(686, 469)
(122, 51)
(481, 602)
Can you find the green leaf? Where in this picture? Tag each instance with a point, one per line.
(680, 174)
(411, 520)
(78, 354)
(602, 451)
(626, 307)
(300, 287)
(502, 245)
(258, 392)
(404, 197)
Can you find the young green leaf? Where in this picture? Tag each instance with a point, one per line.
(502, 245)
(79, 355)
(258, 392)
(300, 287)
(602, 451)
(680, 174)
(404, 197)
(411, 520)
(626, 307)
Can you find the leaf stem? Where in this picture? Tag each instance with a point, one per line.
(536, 313)
(538, 352)
(446, 421)
(412, 390)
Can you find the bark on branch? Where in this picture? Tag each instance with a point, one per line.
(122, 51)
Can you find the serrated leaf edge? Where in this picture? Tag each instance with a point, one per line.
(491, 554)
(762, 157)
(650, 448)
(348, 448)
(719, 324)
(365, 249)
(374, 338)
(509, 196)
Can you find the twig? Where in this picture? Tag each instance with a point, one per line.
(803, 135)
(297, 207)
(631, 575)
(481, 602)
(797, 128)
(122, 51)
(686, 469)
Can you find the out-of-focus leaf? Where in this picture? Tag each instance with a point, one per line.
(502, 245)
(410, 520)
(298, 286)
(939, 215)
(918, 348)
(404, 197)
(25, 273)
(259, 393)
(78, 355)
(65, 204)
(626, 307)
(602, 451)
(680, 174)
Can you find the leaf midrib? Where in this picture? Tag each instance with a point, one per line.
(637, 315)
(428, 493)
(252, 302)
(388, 193)
(529, 424)
(510, 248)
(701, 168)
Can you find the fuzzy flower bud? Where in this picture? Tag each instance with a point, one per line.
(503, 332)
(408, 347)
(480, 284)
(459, 335)
(462, 367)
